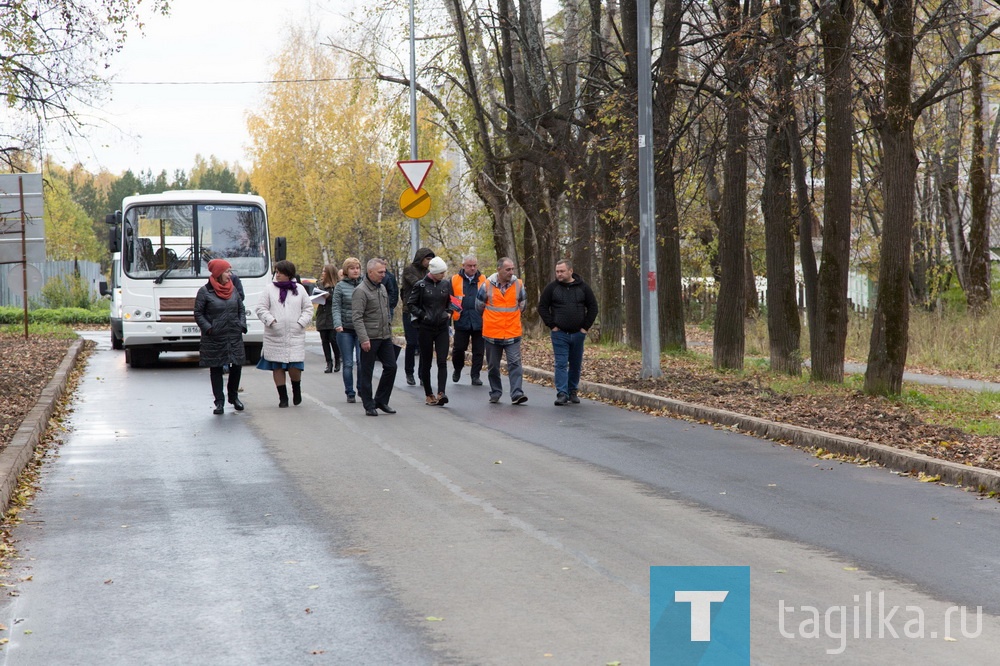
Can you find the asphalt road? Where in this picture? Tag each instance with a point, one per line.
(470, 534)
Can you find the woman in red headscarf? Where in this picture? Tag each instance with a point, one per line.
(220, 314)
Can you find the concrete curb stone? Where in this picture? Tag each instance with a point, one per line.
(16, 455)
(910, 462)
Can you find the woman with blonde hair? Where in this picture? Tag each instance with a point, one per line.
(347, 338)
(324, 318)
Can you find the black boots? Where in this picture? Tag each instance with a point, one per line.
(329, 367)
(218, 407)
(234, 400)
(336, 366)
(296, 394)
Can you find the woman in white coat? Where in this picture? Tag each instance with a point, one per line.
(286, 310)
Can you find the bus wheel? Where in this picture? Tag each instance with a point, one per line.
(252, 353)
(141, 358)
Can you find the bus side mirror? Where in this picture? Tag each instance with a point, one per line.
(280, 248)
(114, 241)
(102, 287)
(113, 218)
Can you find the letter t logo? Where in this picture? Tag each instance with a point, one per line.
(701, 610)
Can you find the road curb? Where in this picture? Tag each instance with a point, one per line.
(17, 454)
(977, 478)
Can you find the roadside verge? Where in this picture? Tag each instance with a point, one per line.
(908, 462)
(17, 454)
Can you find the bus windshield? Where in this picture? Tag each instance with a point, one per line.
(180, 239)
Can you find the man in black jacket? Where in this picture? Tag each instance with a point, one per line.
(568, 307)
(412, 274)
(429, 304)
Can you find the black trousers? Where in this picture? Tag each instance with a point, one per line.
(412, 334)
(235, 372)
(381, 350)
(328, 337)
(462, 339)
(434, 341)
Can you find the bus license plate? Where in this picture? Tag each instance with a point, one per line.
(191, 330)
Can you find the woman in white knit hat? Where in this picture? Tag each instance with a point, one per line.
(429, 304)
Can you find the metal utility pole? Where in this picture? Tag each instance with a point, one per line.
(24, 254)
(647, 208)
(414, 223)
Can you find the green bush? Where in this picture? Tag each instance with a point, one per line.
(60, 316)
(68, 291)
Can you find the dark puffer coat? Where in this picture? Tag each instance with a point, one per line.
(427, 303)
(223, 323)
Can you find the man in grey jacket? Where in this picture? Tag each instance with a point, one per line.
(370, 314)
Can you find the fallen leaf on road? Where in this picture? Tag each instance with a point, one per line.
(431, 618)
(314, 587)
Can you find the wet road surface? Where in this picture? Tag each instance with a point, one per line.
(470, 534)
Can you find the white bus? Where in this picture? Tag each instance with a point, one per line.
(163, 244)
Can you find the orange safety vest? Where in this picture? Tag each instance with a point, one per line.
(502, 316)
(458, 282)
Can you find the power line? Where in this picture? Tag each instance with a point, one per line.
(235, 83)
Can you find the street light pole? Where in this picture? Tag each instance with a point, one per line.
(647, 208)
(415, 222)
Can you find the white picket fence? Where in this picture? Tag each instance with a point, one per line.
(89, 270)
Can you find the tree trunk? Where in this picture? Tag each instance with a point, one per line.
(890, 329)
(670, 302)
(978, 292)
(729, 335)
(946, 172)
(783, 326)
(612, 313)
(830, 337)
(808, 227)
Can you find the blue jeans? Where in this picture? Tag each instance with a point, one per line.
(350, 350)
(568, 350)
(494, 353)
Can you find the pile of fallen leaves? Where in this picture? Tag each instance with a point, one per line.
(832, 409)
(26, 366)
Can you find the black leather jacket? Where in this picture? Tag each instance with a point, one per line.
(428, 303)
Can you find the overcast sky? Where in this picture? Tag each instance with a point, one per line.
(165, 126)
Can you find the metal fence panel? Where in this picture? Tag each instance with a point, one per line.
(89, 271)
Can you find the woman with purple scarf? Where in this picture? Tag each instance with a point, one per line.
(286, 310)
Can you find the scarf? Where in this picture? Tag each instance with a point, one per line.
(286, 287)
(224, 291)
(216, 267)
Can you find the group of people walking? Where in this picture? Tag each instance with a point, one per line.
(354, 318)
